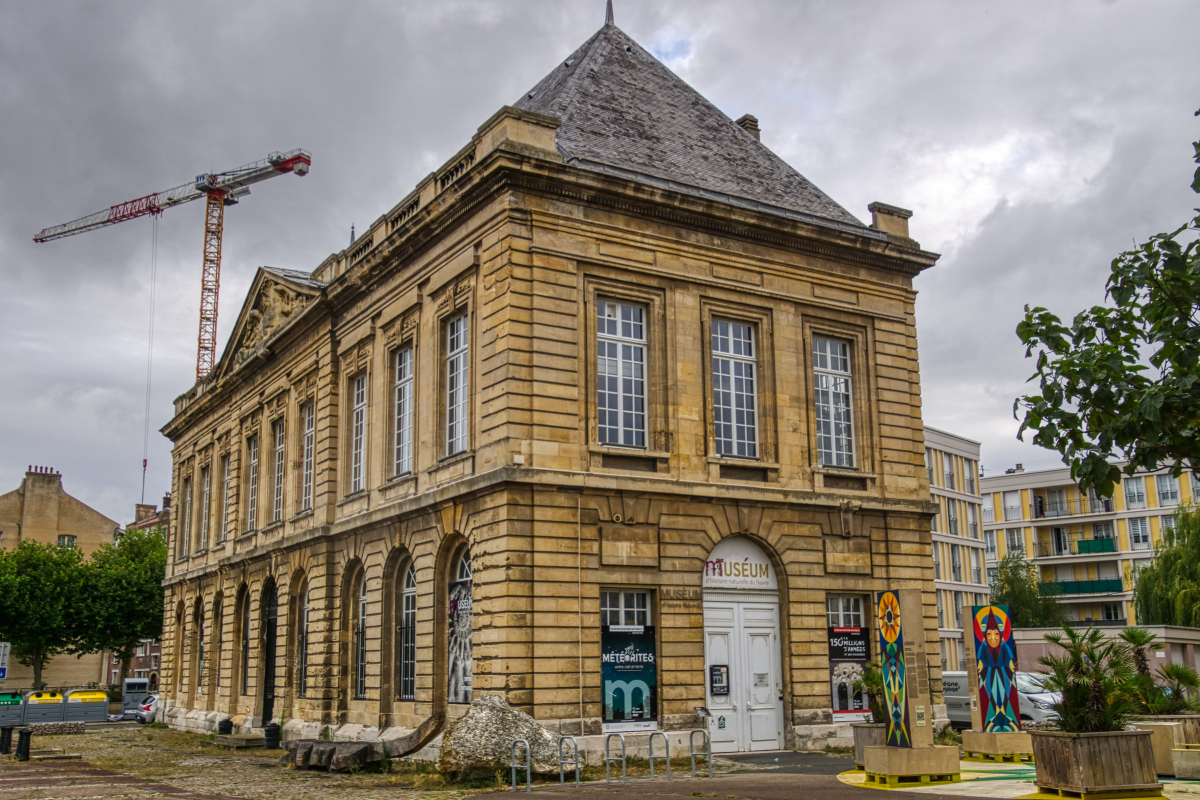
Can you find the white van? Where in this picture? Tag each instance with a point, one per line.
(958, 701)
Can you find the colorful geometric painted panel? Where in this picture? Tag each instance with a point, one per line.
(996, 658)
(891, 663)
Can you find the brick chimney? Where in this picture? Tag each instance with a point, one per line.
(749, 123)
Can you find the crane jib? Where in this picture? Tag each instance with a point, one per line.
(134, 208)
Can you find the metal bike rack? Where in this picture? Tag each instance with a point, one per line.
(608, 759)
(562, 762)
(666, 758)
(525, 766)
(707, 751)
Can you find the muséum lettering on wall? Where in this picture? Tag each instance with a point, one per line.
(737, 563)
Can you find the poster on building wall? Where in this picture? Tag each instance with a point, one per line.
(629, 677)
(459, 684)
(891, 663)
(849, 651)
(996, 662)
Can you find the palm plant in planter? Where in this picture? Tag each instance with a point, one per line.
(874, 733)
(1096, 680)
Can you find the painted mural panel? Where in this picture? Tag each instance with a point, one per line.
(891, 664)
(996, 660)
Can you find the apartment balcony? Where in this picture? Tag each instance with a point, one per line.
(1012, 514)
(1076, 547)
(1069, 508)
(1105, 623)
(1101, 586)
(989, 515)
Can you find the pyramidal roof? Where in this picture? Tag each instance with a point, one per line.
(623, 111)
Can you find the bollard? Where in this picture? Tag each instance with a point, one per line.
(271, 736)
(225, 727)
(6, 740)
(23, 737)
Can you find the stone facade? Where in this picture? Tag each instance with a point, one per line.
(39, 510)
(299, 511)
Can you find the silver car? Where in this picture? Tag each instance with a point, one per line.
(1037, 704)
(145, 712)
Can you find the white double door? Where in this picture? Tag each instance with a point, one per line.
(742, 651)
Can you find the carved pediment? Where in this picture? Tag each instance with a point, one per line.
(273, 307)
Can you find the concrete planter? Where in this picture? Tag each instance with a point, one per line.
(867, 734)
(1190, 722)
(1084, 763)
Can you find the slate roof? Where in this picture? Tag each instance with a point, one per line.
(623, 111)
(296, 276)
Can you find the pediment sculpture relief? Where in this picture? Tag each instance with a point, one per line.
(276, 304)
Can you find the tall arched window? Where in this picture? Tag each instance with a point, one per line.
(218, 636)
(360, 642)
(406, 640)
(179, 617)
(199, 645)
(245, 625)
(459, 619)
(302, 644)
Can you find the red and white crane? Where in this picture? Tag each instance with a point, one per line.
(220, 189)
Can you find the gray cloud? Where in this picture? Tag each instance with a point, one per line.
(1033, 141)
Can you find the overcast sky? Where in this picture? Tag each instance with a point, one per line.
(1033, 142)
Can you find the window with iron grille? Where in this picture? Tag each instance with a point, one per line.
(277, 488)
(403, 410)
(360, 643)
(1135, 493)
(358, 436)
(735, 398)
(621, 374)
(1139, 534)
(205, 505)
(457, 385)
(252, 480)
(832, 398)
(308, 416)
(406, 679)
(302, 647)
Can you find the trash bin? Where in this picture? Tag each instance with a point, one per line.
(43, 707)
(12, 710)
(6, 740)
(86, 705)
(23, 736)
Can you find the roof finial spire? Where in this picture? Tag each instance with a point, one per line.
(608, 15)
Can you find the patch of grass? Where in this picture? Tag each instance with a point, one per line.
(949, 736)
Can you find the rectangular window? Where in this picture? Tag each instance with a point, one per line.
(628, 659)
(403, 412)
(958, 607)
(1168, 490)
(621, 374)
(950, 483)
(308, 416)
(1135, 493)
(943, 643)
(952, 517)
(1012, 505)
(735, 398)
(989, 512)
(224, 498)
(252, 488)
(929, 457)
(205, 505)
(941, 610)
(457, 385)
(277, 488)
(969, 475)
(972, 521)
(832, 397)
(844, 611)
(1102, 530)
(956, 562)
(185, 537)
(1113, 612)
(991, 575)
(937, 561)
(624, 608)
(1015, 540)
(976, 566)
(66, 540)
(1139, 534)
(358, 436)
(989, 539)
(1168, 524)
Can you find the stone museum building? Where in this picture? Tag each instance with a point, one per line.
(616, 415)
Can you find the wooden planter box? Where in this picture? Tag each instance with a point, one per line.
(867, 734)
(1190, 722)
(1095, 763)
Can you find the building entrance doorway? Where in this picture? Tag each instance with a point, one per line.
(742, 649)
(270, 620)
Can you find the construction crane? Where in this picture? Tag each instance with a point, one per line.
(221, 189)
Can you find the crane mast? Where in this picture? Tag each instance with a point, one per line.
(219, 190)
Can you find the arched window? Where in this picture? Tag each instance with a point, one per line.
(360, 642)
(302, 644)
(199, 645)
(218, 636)
(245, 625)
(406, 655)
(459, 619)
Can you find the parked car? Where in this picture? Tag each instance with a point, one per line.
(146, 711)
(1037, 705)
(958, 705)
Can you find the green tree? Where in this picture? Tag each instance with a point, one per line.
(1167, 591)
(1099, 396)
(1030, 604)
(40, 588)
(122, 595)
